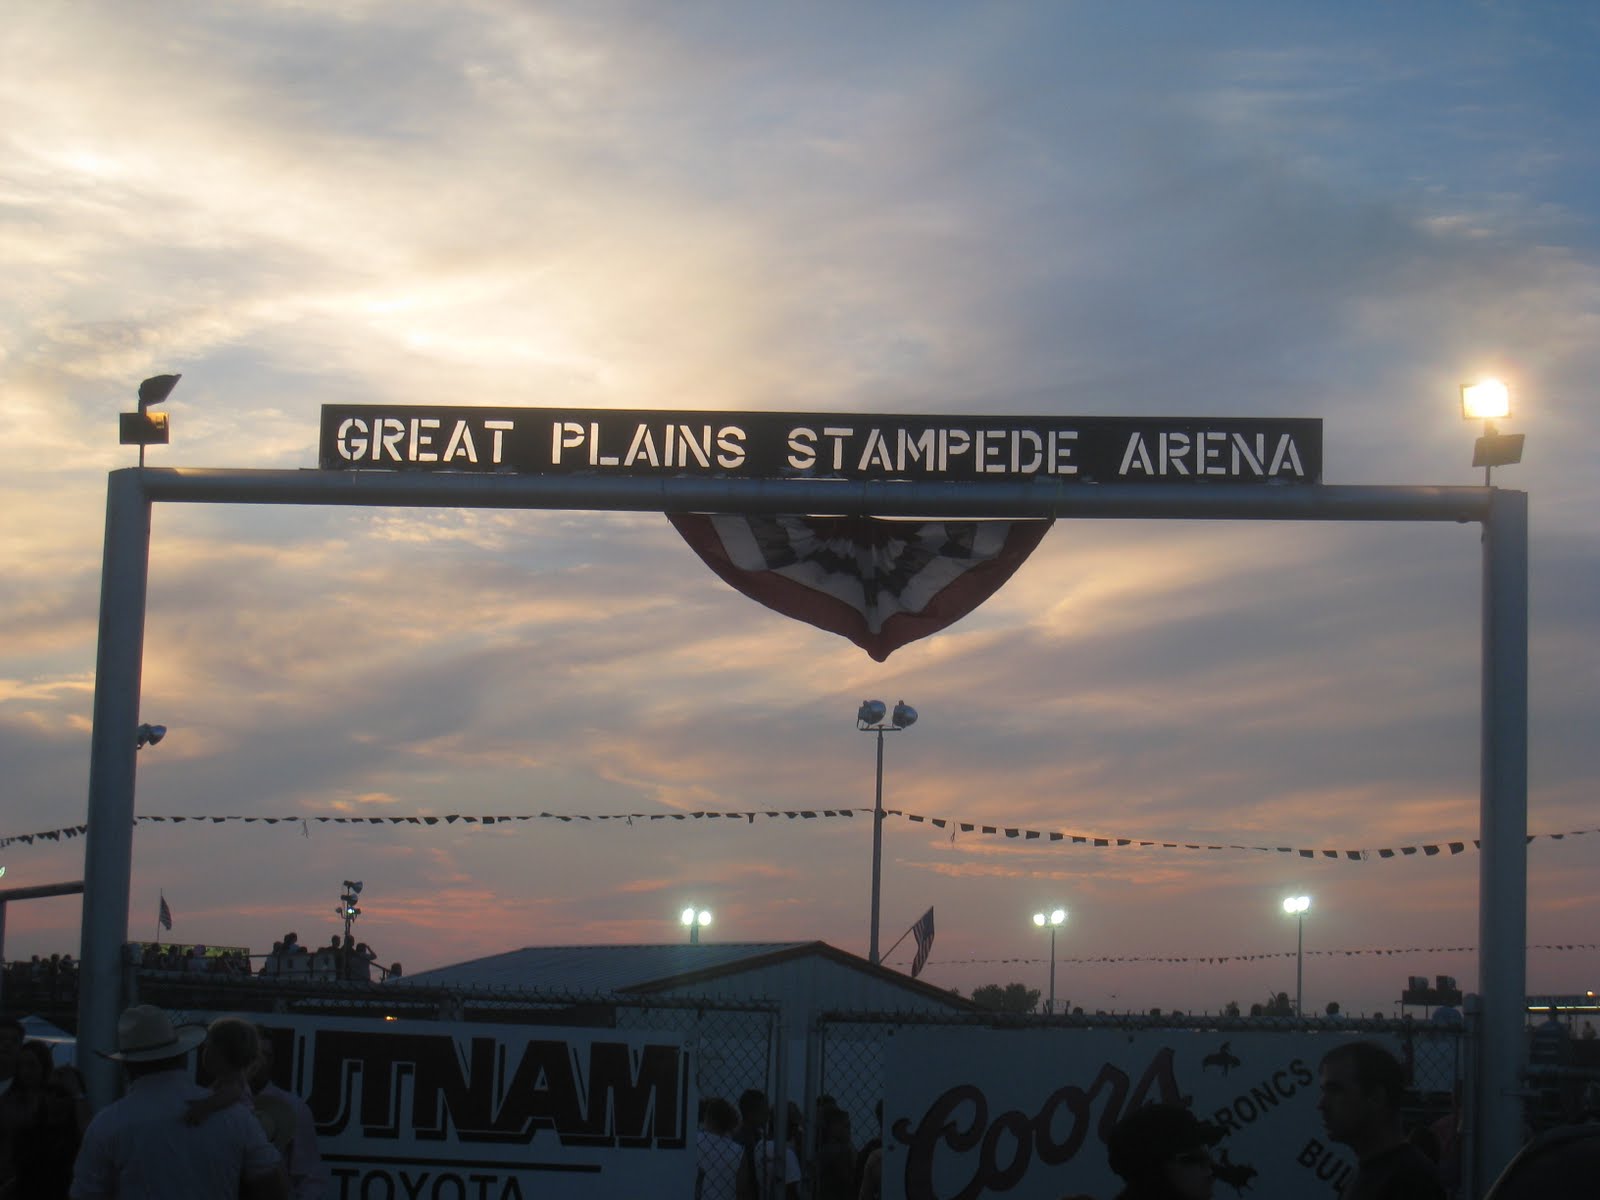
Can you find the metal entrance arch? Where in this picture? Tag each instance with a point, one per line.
(1496, 1120)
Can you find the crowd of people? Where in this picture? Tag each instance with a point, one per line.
(347, 959)
(167, 1136)
(51, 979)
(43, 1113)
(246, 1136)
(196, 960)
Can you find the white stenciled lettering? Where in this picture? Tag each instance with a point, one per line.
(422, 441)
(642, 446)
(914, 450)
(1174, 446)
(1245, 456)
(497, 450)
(991, 451)
(388, 434)
(838, 433)
(460, 444)
(694, 444)
(1034, 443)
(876, 452)
(1062, 443)
(952, 444)
(1210, 446)
(730, 445)
(564, 435)
(1286, 456)
(352, 439)
(802, 448)
(1136, 456)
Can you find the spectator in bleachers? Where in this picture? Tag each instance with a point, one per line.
(325, 963)
(273, 963)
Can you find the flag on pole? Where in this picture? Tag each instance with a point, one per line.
(923, 932)
(165, 916)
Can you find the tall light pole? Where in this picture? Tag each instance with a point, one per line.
(695, 918)
(349, 904)
(1296, 907)
(1051, 920)
(870, 719)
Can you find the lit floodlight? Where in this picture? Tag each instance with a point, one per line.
(1486, 400)
(870, 712)
(1295, 905)
(904, 715)
(695, 919)
(1052, 921)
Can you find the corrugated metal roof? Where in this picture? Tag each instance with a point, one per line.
(591, 970)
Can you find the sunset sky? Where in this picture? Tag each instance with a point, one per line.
(1258, 209)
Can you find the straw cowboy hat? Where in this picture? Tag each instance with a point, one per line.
(145, 1034)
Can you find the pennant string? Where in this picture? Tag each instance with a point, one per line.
(1443, 848)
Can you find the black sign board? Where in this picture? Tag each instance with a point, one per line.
(854, 446)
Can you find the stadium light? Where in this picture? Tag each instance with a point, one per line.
(869, 719)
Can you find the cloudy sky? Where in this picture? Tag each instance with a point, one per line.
(1041, 209)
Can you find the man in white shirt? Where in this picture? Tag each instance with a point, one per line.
(717, 1154)
(141, 1148)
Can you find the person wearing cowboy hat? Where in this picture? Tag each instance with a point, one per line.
(141, 1146)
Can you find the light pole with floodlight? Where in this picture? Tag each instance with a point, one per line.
(1296, 907)
(870, 719)
(1051, 920)
(695, 918)
(1488, 401)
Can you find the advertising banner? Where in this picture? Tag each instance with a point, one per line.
(491, 1112)
(853, 446)
(1024, 1113)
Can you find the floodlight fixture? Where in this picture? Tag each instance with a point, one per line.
(1489, 400)
(1052, 921)
(904, 715)
(695, 919)
(145, 428)
(148, 735)
(870, 713)
(1486, 400)
(156, 389)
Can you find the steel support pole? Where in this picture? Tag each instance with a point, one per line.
(877, 854)
(108, 848)
(1051, 1010)
(1503, 838)
(1299, 963)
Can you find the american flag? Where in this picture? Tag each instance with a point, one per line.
(923, 932)
(165, 916)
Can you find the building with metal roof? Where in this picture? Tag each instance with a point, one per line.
(803, 979)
